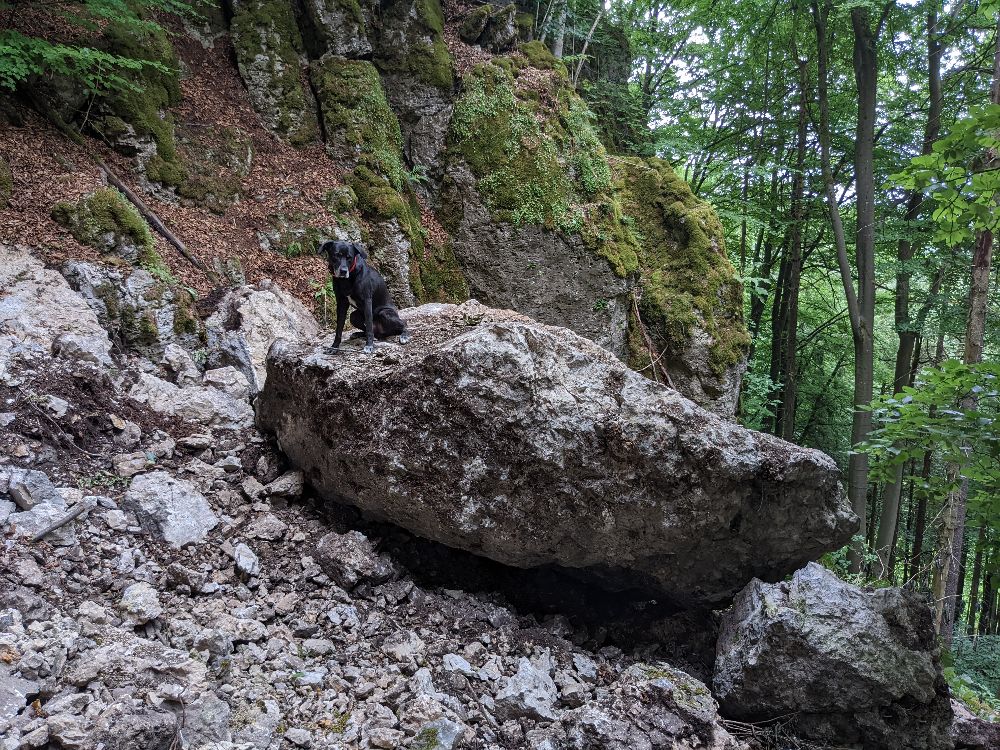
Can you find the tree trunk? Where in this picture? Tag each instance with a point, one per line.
(866, 77)
(559, 35)
(586, 43)
(946, 573)
(905, 329)
(977, 568)
(789, 393)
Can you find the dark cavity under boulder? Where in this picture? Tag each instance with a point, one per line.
(533, 446)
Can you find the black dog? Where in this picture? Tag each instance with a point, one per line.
(354, 281)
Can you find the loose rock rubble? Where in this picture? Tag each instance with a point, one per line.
(203, 598)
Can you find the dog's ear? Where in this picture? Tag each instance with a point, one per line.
(324, 248)
(360, 249)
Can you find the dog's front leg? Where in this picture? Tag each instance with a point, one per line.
(342, 304)
(369, 327)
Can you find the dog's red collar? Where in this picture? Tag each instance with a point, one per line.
(354, 264)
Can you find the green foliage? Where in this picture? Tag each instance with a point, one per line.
(930, 416)
(962, 186)
(98, 68)
(974, 674)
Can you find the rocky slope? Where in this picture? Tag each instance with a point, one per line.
(193, 593)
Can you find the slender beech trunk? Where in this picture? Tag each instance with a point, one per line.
(905, 328)
(866, 78)
(977, 569)
(952, 532)
(559, 35)
(586, 43)
(789, 393)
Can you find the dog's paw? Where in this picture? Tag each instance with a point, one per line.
(369, 349)
(333, 350)
(404, 338)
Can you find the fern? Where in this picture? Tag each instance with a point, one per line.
(96, 70)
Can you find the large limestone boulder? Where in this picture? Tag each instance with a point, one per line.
(531, 445)
(38, 309)
(853, 666)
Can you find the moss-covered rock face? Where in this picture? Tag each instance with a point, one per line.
(106, 221)
(687, 280)
(412, 42)
(361, 128)
(269, 51)
(536, 153)
(493, 28)
(136, 122)
(214, 163)
(335, 26)
(532, 146)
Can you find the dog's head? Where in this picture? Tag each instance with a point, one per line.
(344, 258)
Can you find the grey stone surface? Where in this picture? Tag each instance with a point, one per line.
(169, 508)
(544, 275)
(247, 322)
(38, 308)
(852, 665)
(204, 405)
(350, 559)
(530, 445)
(529, 693)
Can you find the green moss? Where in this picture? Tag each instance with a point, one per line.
(340, 199)
(687, 280)
(105, 220)
(424, 55)
(185, 321)
(435, 274)
(475, 23)
(157, 88)
(525, 26)
(539, 160)
(539, 56)
(268, 47)
(427, 739)
(535, 163)
(359, 122)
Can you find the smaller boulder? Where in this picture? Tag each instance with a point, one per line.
(289, 484)
(529, 694)
(247, 563)
(29, 488)
(849, 664)
(350, 559)
(970, 732)
(492, 28)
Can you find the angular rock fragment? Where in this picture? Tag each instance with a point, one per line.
(852, 666)
(169, 508)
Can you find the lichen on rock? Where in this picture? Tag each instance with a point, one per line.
(412, 43)
(269, 51)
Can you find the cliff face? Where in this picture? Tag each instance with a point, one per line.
(471, 168)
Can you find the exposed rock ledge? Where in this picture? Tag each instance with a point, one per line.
(531, 445)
